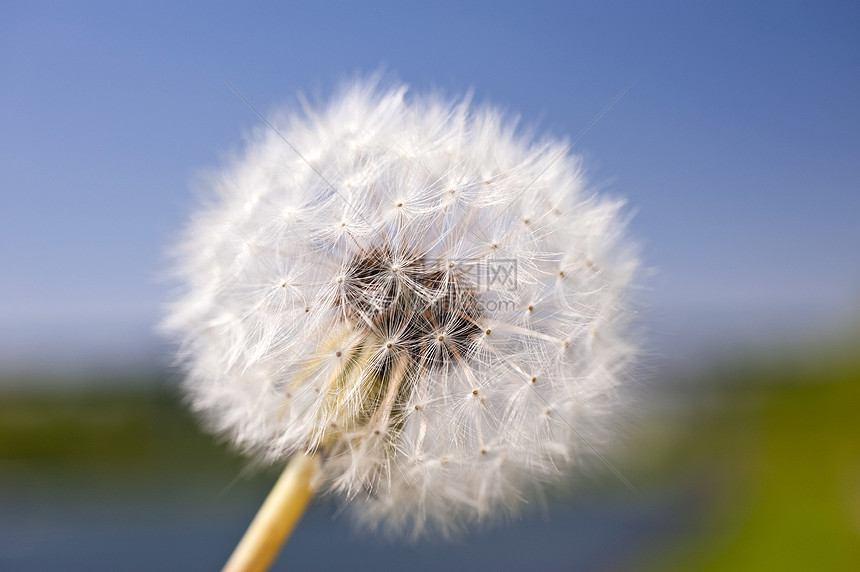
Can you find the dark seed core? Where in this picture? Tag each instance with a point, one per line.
(414, 305)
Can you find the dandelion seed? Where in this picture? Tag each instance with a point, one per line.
(408, 311)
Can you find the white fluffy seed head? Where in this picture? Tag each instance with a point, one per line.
(432, 303)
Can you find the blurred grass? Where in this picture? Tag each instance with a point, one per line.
(136, 429)
(776, 441)
(770, 445)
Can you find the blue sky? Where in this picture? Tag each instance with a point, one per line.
(737, 147)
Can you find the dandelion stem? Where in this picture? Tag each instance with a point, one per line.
(277, 518)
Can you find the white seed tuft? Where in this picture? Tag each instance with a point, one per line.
(425, 420)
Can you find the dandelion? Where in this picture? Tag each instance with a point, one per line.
(425, 307)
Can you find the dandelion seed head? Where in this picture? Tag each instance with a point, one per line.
(433, 303)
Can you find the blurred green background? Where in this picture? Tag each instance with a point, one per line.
(741, 464)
